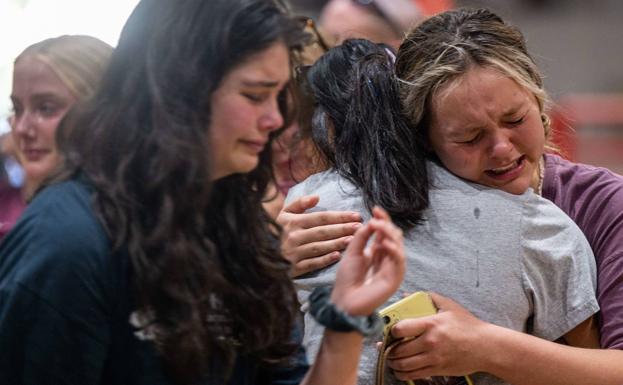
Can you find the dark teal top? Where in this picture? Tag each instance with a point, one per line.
(65, 304)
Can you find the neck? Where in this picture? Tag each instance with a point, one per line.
(537, 177)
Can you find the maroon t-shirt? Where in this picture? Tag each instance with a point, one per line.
(11, 207)
(593, 198)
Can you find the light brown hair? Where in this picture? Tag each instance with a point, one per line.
(78, 60)
(441, 49)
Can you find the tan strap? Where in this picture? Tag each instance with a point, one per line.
(386, 348)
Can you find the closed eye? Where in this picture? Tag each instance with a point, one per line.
(255, 97)
(517, 121)
(473, 140)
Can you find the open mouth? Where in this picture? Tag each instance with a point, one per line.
(508, 171)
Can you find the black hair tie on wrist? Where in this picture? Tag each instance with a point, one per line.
(328, 315)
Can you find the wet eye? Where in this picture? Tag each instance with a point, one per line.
(255, 97)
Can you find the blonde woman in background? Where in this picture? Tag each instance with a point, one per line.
(49, 77)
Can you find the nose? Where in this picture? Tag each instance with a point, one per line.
(501, 145)
(23, 124)
(271, 118)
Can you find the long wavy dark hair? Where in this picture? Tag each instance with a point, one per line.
(205, 269)
(358, 127)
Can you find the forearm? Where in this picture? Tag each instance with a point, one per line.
(337, 359)
(522, 359)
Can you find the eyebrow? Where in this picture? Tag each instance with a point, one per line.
(260, 83)
(512, 111)
(460, 132)
(41, 96)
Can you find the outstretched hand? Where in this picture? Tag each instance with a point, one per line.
(311, 241)
(449, 343)
(369, 275)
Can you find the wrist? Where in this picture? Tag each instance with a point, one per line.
(493, 351)
(334, 318)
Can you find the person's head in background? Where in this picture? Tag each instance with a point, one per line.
(292, 155)
(381, 21)
(49, 77)
(475, 96)
(357, 128)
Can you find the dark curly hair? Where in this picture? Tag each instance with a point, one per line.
(205, 267)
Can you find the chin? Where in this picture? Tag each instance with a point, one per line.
(247, 167)
(515, 188)
(38, 171)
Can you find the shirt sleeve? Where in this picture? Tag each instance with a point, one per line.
(559, 271)
(611, 301)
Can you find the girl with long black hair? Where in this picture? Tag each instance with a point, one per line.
(149, 260)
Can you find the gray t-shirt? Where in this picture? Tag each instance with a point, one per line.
(512, 260)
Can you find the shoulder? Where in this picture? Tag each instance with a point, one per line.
(58, 238)
(450, 191)
(552, 243)
(592, 197)
(578, 179)
(331, 187)
(63, 215)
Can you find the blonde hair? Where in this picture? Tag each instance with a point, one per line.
(439, 51)
(78, 60)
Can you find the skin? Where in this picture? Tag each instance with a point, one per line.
(371, 269)
(487, 129)
(40, 100)
(246, 111)
(314, 240)
(342, 19)
(451, 343)
(454, 342)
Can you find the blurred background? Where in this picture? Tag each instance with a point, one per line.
(24, 22)
(578, 45)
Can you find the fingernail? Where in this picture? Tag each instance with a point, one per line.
(357, 225)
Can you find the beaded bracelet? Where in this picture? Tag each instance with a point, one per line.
(329, 316)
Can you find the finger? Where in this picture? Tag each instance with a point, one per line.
(323, 233)
(443, 303)
(301, 204)
(359, 240)
(321, 218)
(410, 364)
(386, 228)
(412, 327)
(423, 373)
(380, 213)
(313, 264)
(385, 246)
(387, 255)
(409, 347)
(317, 249)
